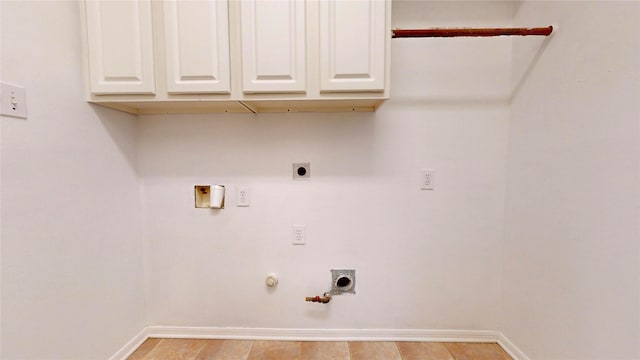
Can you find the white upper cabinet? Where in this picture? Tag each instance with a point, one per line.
(198, 56)
(120, 42)
(196, 34)
(353, 37)
(273, 45)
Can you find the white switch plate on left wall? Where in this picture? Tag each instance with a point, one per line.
(14, 101)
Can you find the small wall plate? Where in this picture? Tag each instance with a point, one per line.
(13, 101)
(301, 171)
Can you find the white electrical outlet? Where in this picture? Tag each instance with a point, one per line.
(299, 234)
(14, 101)
(426, 179)
(243, 196)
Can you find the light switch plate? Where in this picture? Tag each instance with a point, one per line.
(14, 101)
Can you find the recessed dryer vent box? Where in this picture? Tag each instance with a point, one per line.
(343, 282)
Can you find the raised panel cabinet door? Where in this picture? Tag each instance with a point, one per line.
(197, 46)
(273, 46)
(352, 45)
(120, 43)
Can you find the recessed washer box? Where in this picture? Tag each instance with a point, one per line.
(202, 195)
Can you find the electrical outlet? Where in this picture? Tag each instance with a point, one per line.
(14, 101)
(301, 171)
(243, 197)
(426, 179)
(299, 234)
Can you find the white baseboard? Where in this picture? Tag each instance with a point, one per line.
(510, 348)
(322, 334)
(188, 332)
(131, 346)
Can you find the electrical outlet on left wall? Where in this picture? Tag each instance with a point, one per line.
(14, 101)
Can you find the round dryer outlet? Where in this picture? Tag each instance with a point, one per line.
(301, 171)
(343, 282)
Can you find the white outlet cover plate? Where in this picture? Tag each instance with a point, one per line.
(299, 234)
(426, 179)
(14, 101)
(243, 197)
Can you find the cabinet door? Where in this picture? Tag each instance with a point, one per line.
(273, 45)
(120, 42)
(197, 46)
(352, 45)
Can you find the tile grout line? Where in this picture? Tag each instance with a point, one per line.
(195, 356)
(449, 351)
(250, 350)
(395, 346)
(162, 341)
(502, 352)
(153, 348)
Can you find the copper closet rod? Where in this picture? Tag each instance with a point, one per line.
(541, 31)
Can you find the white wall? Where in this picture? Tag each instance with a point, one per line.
(424, 259)
(572, 269)
(72, 274)
(72, 259)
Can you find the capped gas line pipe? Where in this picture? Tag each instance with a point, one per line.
(323, 300)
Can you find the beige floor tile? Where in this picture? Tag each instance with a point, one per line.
(225, 350)
(176, 349)
(369, 350)
(275, 350)
(236, 349)
(324, 350)
(144, 349)
(191, 349)
(502, 351)
(423, 351)
(474, 351)
(210, 350)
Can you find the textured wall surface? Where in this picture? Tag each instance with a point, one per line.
(571, 275)
(424, 259)
(72, 270)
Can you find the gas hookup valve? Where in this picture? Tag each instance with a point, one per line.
(323, 300)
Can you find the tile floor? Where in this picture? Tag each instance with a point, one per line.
(196, 349)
